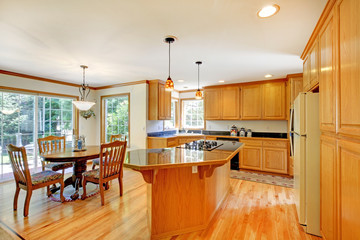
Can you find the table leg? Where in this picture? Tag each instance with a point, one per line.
(79, 168)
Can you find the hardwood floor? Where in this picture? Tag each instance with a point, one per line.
(251, 211)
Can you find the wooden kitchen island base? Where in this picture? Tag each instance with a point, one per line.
(180, 201)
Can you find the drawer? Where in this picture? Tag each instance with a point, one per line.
(277, 144)
(210, 138)
(257, 143)
(172, 142)
(183, 140)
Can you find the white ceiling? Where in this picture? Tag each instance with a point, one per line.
(122, 41)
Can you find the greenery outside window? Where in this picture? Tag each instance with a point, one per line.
(115, 116)
(193, 114)
(24, 118)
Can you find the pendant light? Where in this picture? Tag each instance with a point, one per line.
(169, 85)
(198, 94)
(84, 90)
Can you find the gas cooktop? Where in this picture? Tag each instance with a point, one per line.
(201, 145)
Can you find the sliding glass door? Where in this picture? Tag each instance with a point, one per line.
(24, 118)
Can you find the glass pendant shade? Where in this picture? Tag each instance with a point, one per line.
(169, 85)
(198, 94)
(83, 105)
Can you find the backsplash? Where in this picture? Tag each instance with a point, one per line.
(254, 125)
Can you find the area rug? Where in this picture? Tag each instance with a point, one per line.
(263, 178)
(91, 190)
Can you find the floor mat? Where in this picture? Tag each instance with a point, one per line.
(263, 178)
(91, 190)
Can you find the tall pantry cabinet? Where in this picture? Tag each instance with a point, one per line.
(338, 37)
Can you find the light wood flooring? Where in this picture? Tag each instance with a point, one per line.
(251, 211)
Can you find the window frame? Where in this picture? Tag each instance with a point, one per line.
(102, 117)
(177, 115)
(181, 113)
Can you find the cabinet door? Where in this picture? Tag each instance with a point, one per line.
(251, 158)
(167, 105)
(251, 102)
(212, 101)
(230, 103)
(349, 188)
(327, 77)
(275, 160)
(274, 101)
(328, 187)
(314, 64)
(306, 74)
(349, 67)
(162, 114)
(296, 86)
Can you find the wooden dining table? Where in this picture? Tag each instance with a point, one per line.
(79, 158)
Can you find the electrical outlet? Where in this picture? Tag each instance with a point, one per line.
(194, 169)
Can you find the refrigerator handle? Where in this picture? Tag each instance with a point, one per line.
(291, 131)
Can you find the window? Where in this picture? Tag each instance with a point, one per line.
(24, 118)
(116, 116)
(192, 114)
(173, 123)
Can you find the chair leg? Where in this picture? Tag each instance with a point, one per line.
(62, 191)
(102, 194)
(120, 185)
(27, 202)
(17, 191)
(83, 196)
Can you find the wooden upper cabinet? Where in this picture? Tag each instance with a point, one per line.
(159, 101)
(314, 64)
(251, 101)
(296, 86)
(327, 77)
(212, 103)
(327, 187)
(306, 74)
(230, 104)
(349, 67)
(273, 101)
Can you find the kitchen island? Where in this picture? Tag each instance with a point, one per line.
(185, 186)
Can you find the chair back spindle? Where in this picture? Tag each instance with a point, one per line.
(113, 155)
(19, 164)
(51, 143)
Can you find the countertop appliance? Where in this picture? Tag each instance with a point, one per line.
(235, 160)
(306, 147)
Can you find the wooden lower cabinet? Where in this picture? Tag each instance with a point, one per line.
(264, 155)
(251, 158)
(348, 153)
(275, 160)
(328, 187)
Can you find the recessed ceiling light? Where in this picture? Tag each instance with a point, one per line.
(180, 80)
(221, 81)
(268, 11)
(268, 75)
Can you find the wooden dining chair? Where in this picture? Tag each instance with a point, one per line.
(53, 143)
(120, 137)
(29, 182)
(113, 155)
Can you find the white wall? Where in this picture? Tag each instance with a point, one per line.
(42, 86)
(138, 112)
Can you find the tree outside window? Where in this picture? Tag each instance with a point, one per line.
(192, 114)
(116, 116)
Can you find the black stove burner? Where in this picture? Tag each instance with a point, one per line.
(202, 145)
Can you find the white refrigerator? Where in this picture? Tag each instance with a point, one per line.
(306, 147)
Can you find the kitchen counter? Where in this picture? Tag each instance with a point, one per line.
(185, 186)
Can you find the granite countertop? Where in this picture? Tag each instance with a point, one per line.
(149, 159)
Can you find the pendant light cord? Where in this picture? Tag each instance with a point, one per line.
(198, 76)
(169, 58)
